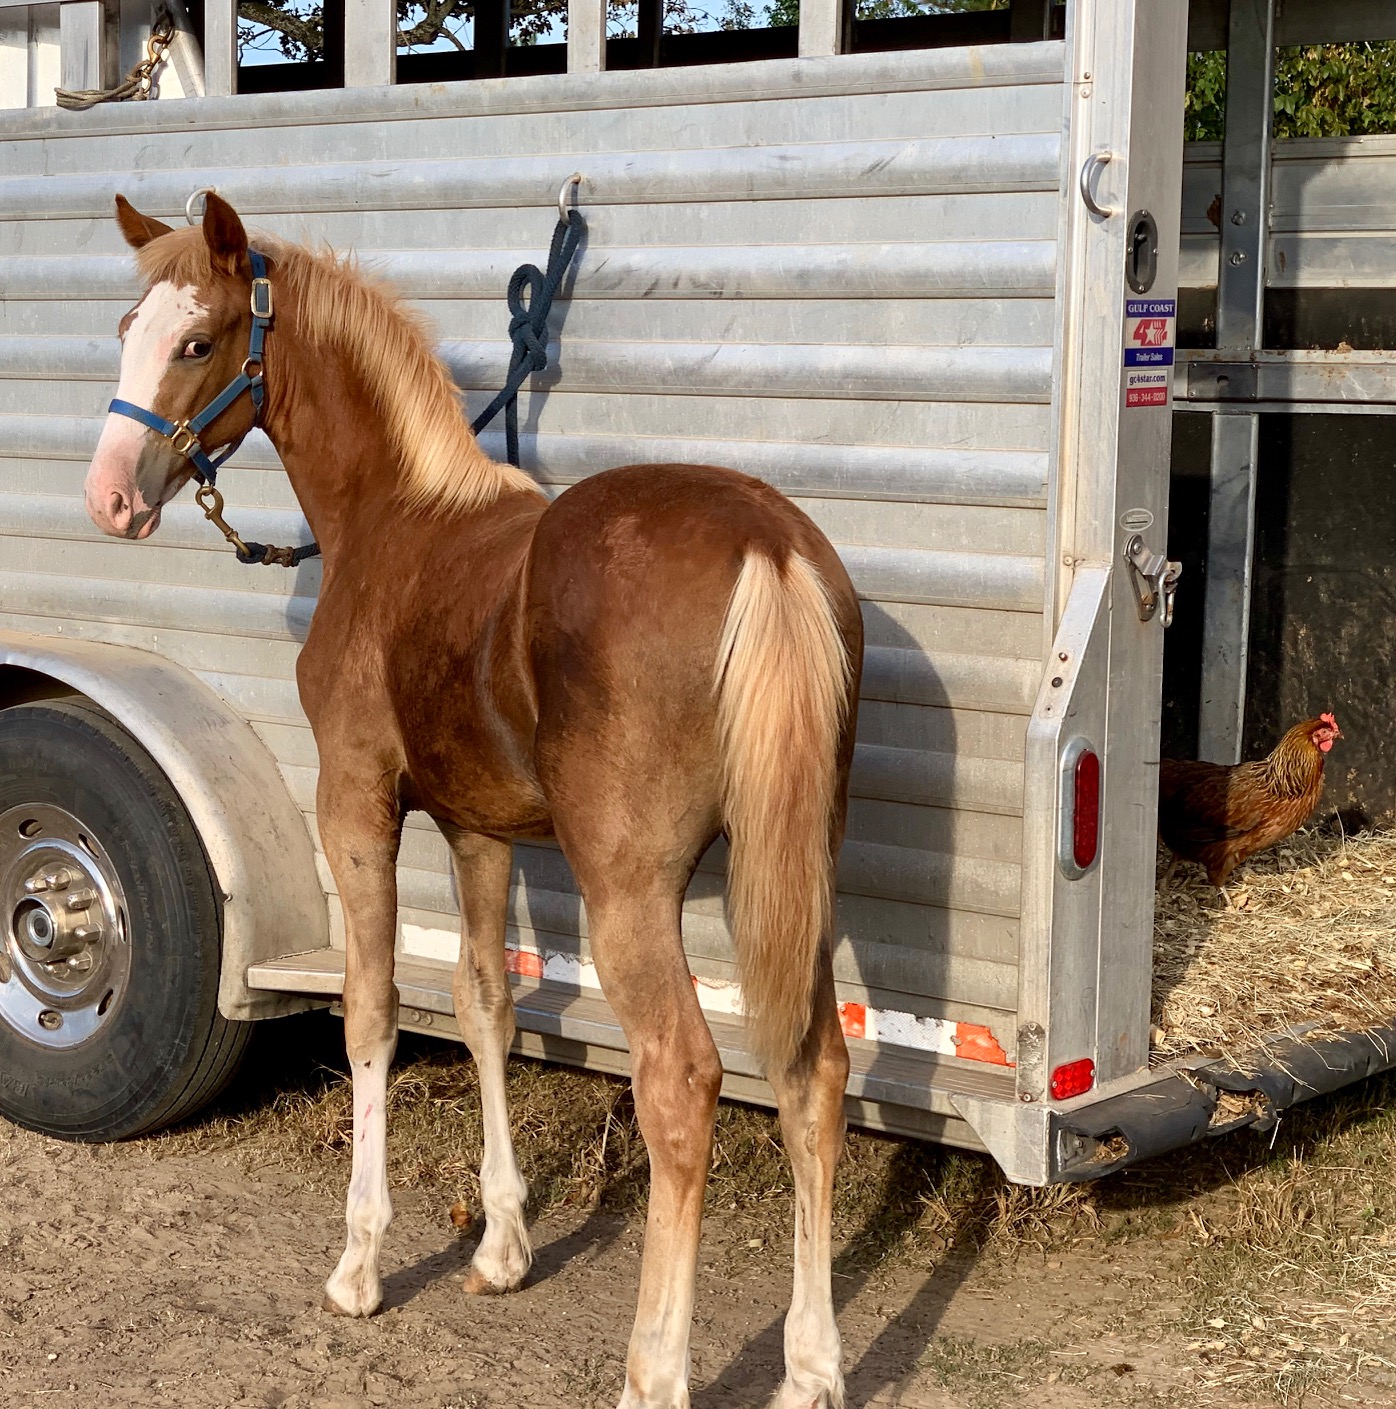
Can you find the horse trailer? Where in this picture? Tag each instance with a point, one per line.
(931, 293)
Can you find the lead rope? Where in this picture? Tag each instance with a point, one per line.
(253, 554)
(528, 332)
(528, 327)
(138, 85)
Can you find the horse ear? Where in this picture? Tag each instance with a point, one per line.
(227, 240)
(138, 229)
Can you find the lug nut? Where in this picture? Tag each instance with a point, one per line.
(60, 879)
(81, 899)
(35, 885)
(85, 934)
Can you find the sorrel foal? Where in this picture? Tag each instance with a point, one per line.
(664, 653)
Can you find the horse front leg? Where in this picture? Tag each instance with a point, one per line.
(361, 829)
(485, 1011)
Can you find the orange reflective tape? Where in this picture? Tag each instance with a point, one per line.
(524, 963)
(976, 1043)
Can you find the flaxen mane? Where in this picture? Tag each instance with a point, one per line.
(389, 343)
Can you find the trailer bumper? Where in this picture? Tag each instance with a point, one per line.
(1185, 1102)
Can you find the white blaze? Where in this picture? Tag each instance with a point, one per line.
(163, 319)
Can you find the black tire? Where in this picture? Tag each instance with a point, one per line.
(161, 1049)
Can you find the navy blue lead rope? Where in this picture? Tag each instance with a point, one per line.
(528, 327)
(528, 331)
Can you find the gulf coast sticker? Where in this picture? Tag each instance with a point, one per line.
(1148, 361)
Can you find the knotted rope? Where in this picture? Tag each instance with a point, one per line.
(528, 327)
(137, 86)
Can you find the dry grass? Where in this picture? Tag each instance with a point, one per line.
(1274, 1253)
(579, 1146)
(1275, 1257)
(1294, 1275)
(980, 1372)
(1312, 941)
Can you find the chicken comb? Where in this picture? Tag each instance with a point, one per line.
(1328, 719)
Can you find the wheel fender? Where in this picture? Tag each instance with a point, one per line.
(255, 837)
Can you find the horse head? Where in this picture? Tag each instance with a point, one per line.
(186, 344)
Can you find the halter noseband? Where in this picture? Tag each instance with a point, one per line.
(184, 435)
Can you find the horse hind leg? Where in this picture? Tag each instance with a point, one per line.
(676, 1075)
(633, 847)
(361, 842)
(785, 723)
(809, 1095)
(485, 1011)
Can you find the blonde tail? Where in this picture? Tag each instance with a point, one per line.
(782, 683)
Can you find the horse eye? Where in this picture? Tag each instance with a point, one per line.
(196, 348)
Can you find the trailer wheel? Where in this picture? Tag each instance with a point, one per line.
(110, 937)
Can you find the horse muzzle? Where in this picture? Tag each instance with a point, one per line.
(128, 481)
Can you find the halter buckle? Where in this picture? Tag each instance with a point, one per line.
(183, 439)
(261, 298)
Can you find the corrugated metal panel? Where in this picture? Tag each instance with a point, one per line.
(843, 286)
(1333, 214)
(30, 56)
(852, 371)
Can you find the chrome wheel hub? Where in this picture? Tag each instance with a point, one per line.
(65, 954)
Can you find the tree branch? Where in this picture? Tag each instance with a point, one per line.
(305, 31)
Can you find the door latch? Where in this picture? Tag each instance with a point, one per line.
(1153, 577)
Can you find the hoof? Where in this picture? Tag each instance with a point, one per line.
(478, 1284)
(795, 1396)
(356, 1302)
(676, 1398)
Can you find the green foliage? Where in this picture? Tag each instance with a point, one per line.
(1321, 90)
(1204, 102)
(1336, 90)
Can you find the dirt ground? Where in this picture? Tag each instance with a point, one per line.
(132, 1280)
(186, 1269)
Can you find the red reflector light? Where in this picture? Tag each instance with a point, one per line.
(1085, 812)
(1073, 1079)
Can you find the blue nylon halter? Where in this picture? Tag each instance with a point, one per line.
(184, 435)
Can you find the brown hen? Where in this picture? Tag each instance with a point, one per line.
(1219, 814)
